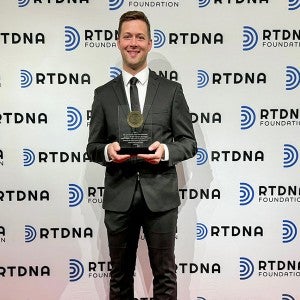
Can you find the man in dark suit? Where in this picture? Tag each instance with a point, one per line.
(141, 190)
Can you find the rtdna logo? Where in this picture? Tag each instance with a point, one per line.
(246, 193)
(115, 4)
(159, 38)
(290, 155)
(292, 78)
(28, 157)
(289, 231)
(114, 72)
(294, 4)
(75, 195)
(201, 156)
(201, 231)
(203, 3)
(74, 118)
(250, 38)
(30, 234)
(26, 79)
(202, 79)
(76, 270)
(23, 3)
(287, 297)
(246, 268)
(72, 38)
(248, 117)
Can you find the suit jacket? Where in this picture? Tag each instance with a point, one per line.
(168, 112)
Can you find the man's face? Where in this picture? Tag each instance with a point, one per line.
(134, 45)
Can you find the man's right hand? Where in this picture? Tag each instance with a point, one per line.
(112, 150)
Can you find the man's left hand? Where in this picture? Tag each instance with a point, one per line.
(157, 156)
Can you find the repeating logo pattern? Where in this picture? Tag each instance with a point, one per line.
(292, 78)
(246, 268)
(75, 195)
(203, 3)
(246, 193)
(74, 118)
(201, 156)
(290, 155)
(201, 231)
(72, 38)
(250, 38)
(30, 233)
(115, 4)
(114, 72)
(248, 117)
(159, 38)
(28, 157)
(294, 4)
(23, 3)
(202, 79)
(76, 270)
(290, 231)
(287, 297)
(26, 78)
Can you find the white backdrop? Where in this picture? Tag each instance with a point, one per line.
(239, 64)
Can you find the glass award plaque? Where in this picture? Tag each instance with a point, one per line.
(135, 135)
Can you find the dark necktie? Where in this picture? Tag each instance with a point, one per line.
(134, 95)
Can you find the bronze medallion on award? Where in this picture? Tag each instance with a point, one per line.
(135, 119)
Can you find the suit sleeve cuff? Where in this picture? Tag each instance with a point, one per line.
(107, 159)
(166, 156)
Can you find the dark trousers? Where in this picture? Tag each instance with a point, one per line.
(123, 230)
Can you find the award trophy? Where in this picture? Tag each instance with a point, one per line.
(135, 135)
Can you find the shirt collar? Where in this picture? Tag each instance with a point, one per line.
(142, 76)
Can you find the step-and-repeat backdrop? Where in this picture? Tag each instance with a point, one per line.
(239, 64)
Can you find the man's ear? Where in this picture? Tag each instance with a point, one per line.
(150, 44)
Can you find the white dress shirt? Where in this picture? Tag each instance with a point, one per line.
(141, 85)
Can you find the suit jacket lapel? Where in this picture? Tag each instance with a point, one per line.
(153, 84)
